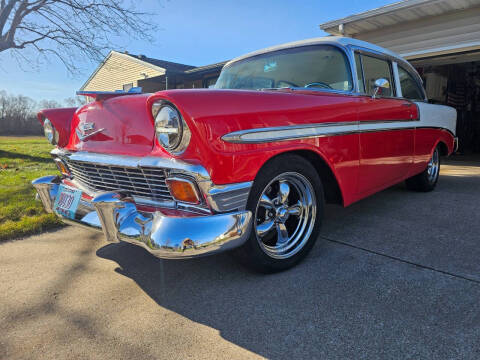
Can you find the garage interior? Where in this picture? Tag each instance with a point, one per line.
(454, 80)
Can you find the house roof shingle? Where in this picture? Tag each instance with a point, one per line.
(168, 65)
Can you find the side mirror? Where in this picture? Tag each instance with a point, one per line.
(380, 84)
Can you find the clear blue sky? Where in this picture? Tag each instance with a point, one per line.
(196, 32)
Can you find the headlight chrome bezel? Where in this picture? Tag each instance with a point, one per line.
(50, 132)
(164, 112)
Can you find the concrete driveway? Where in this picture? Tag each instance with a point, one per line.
(393, 276)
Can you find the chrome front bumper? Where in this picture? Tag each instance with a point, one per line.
(163, 236)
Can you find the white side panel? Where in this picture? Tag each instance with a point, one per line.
(439, 116)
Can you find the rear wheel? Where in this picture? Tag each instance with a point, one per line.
(426, 180)
(286, 202)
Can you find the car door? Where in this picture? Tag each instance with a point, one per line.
(411, 89)
(385, 125)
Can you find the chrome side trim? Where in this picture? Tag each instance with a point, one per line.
(283, 133)
(288, 132)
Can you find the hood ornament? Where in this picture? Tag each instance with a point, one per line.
(86, 130)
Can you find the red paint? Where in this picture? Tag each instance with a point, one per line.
(61, 120)
(363, 163)
(386, 156)
(425, 142)
(128, 128)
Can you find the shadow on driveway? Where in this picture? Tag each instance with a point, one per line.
(339, 303)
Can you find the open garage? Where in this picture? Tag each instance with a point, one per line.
(441, 38)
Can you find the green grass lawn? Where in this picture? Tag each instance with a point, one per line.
(23, 159)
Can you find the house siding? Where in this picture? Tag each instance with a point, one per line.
(118, 70)
(453, 32)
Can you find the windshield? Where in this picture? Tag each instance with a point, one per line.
(318, 66)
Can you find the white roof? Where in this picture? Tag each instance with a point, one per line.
(342, 41)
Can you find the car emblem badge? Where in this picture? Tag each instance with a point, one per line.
(87, 130)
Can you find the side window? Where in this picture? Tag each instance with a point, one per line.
(410, 88)
(358, 66)
(374, 69)
(210, 82)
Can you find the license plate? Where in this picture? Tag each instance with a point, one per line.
(67, 201)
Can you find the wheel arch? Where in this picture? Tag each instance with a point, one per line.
(442, 147)
(332, 189)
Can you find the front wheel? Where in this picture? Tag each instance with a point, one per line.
(286, 202)
(426, 180)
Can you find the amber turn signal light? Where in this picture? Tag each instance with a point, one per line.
(183, 190)
(62, 167)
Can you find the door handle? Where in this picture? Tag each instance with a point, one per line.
(407, 104)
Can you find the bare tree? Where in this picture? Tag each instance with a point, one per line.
(17, 115)
(71, 30)
(49, 104)
(75, 101)
(18, 112)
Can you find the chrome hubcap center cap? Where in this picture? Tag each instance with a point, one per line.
(282, 214)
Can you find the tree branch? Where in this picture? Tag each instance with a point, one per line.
(5, 12)
(68, 29)
(17, 19)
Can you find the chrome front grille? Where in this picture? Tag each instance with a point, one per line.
(145, 182)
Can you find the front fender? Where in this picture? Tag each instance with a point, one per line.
(61, 119)
(212, 114)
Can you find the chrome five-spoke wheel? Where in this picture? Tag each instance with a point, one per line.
(285, 215)
(286, 201)
(428, 178)
(433, 166)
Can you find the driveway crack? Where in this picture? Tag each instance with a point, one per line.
(402, 260)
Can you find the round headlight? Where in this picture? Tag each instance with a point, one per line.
(171, 130)
(50, 132)
(168, 127)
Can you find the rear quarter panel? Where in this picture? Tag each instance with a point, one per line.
(437, 123)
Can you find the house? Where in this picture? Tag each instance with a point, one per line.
(122, 71)
(196, 77)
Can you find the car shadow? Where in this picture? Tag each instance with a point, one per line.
(257, 312)
(15, 155)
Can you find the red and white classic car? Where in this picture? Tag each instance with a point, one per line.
(250, 164)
